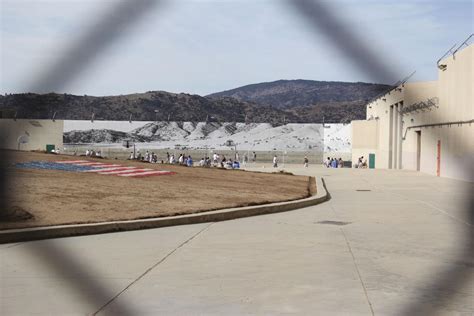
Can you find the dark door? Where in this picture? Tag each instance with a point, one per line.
(371, 161)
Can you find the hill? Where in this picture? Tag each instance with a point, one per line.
(308, 100)
(287, 94)
(149, 106)
(279, 102)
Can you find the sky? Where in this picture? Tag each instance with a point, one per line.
(206, 46)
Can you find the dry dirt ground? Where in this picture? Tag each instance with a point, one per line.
(56, 197)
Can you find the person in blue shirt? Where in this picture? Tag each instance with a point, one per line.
(189, 161)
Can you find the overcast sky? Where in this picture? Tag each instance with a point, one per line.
(208, 46)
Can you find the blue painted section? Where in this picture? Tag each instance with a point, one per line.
(49, 165)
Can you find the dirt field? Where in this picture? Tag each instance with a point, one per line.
(56, 197)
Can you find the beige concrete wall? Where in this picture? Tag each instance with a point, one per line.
(416, 92)
(457, 145)
(456, 86)
(366, 134)
(409, 156)
(456, 103)
(397, 133)
(454, 90)
(39, 132)
(364, 139)
(383, 110)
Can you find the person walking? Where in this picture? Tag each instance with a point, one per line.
(275, 161)
(306, 161)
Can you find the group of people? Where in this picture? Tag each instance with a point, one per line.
(223, 162)
(218, 160)
(334, 163)
(205, 162)
(182, 160)
(150, 157)
(93, 153)
(186, 160)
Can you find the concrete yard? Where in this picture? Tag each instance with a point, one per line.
(399, 246)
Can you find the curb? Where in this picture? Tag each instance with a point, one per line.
(37, 233)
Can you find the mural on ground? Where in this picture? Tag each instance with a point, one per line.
(94, 167)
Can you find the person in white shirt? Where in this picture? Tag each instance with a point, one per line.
(275, 161)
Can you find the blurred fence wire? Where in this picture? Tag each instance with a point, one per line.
(108, 28)
(321, 19)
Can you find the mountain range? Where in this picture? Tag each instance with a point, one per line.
(278, 102)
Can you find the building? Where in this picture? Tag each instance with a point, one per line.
(424, 126)
(25, 134)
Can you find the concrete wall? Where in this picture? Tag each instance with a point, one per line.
(456, 86)
(413, 93)
(456, 103)
(39, 133)
(385, 110)
(403, 139)
(365, 136)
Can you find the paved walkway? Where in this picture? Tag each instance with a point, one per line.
(387, 243)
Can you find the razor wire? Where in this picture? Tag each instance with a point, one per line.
(321, 18)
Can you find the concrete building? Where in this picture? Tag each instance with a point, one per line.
(424, 126)
(24, 134)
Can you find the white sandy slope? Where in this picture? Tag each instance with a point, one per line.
(121, 126)
(252, 136)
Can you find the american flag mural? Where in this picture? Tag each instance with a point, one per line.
(94, 167)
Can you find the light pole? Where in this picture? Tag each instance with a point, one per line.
(230, 143)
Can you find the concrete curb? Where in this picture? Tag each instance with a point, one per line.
(37, 233)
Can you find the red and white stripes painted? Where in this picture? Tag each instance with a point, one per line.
(115, 169)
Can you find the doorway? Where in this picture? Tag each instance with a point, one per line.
(418, 150)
